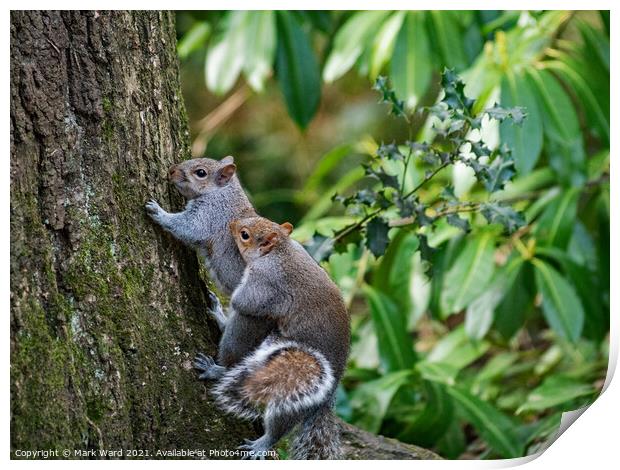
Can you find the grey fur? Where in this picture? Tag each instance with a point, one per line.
(288, 285)
(318, 438)
(204, 226)
(310, 407)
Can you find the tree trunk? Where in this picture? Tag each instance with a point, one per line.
(107, 312)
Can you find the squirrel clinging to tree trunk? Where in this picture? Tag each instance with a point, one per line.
(286, 338)
(215, 198)
(294, 373)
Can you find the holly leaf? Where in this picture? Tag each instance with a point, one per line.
(377, 236)
(454, 89)
(319, 247)
(388, 96)
(458, 222)
(498, 173)
(366, 197)
(504, 215)
(386, 179)
(354, 237)
(426, 251)
(516, 114)
(406, 207)
(389, 152)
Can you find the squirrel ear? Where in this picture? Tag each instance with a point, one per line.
(228, 159)
(268, 243)
(224, 174)
(287, 227)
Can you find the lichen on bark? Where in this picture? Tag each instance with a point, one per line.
(106, 311)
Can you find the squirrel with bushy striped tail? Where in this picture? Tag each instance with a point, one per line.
(291, 378)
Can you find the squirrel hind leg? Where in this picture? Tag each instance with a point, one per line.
(217, 311)
(207, 367)
(277, 424)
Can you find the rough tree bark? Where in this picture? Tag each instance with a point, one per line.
(107, 311)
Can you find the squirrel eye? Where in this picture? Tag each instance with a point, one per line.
(244, 235)
(200, 173)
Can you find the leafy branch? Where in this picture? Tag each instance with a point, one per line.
(389, 203)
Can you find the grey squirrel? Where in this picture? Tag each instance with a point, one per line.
(294, 373)
(215, 198)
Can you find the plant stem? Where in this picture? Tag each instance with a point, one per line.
(402, 185)
(426, 179)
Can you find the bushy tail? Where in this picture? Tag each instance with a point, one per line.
(282, 377)
(318, 437)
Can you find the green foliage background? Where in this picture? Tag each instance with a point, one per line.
(467, 338)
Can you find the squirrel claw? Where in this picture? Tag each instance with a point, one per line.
(210, 370)
(152, 207)
(203, 362)
(255, 449)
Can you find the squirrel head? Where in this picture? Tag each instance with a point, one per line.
(199, 176)
(257, 236)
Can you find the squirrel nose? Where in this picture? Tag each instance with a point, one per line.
(172, 171)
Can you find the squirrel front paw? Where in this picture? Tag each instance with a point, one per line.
(153, 208)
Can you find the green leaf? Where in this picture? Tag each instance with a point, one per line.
(395, 345)
(440, 260)
(457, 349)
(510, 313)
(440, 372)
(496, 367)
(458, 222)
(554, 391)
(494, 426)
(260, 47)
(598, 116)
(225, 56)
(419, 290)
(411, 69)
(377, 236)
(370, 401)
(383, 45)
(525, 140)
(555, 225)
(326, 165)
(496, 213)
(596, 42)
(586, 281)
(514, 114)
(543, 429)
(448, 39)
(195, 38)
(319, 247)
(561, 306)
(388, 96)
(433, 421)
(324, 203)
(350, 41)
(393, 274)
(561, 128)
(452, 444)
(479, 315)
(297, 70)
(470, 273)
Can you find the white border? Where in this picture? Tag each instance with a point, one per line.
(592, 442)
